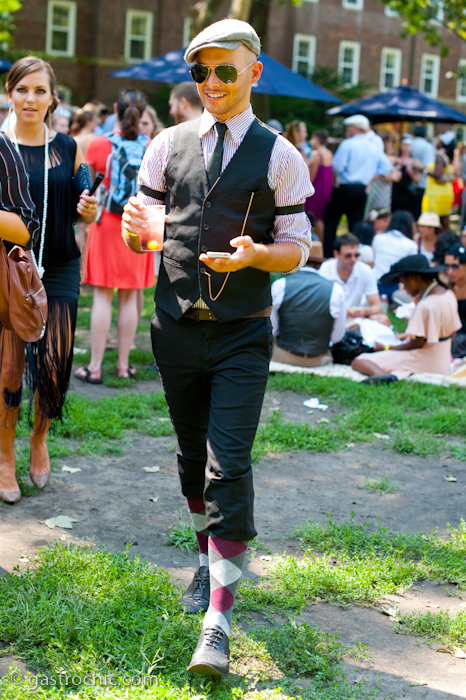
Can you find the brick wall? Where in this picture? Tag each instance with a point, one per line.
(101, 30)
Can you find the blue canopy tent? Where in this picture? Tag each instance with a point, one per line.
(5, 65)
(403, 103)
(276, 78)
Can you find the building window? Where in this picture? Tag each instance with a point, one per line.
(304, 53)
(430, 70)
(391, 13)
(390, 68)
(461, 82)
(61, 28)
(138, 37)
(348, 62)
(353, 4)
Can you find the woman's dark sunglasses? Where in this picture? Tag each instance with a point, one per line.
(227, 74)
(454, 267)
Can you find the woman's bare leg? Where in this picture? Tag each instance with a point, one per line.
(365, 367)
(101, 320)
(12, 367)
(39, 469)
(319, 229)
(127, 325)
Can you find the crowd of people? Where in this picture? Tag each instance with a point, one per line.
(234, 185)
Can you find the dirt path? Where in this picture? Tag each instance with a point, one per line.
(110, 499)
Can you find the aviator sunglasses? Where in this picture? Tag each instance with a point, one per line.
(227, 74)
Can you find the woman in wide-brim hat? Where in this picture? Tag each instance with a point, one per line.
(429, 332)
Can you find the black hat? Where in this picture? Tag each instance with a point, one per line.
(411, 265)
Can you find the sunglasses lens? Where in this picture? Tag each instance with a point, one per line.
(199, 72)
(227, 74)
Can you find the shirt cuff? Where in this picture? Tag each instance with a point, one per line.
(304, 256)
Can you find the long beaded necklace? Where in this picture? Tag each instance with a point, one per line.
(38, 263)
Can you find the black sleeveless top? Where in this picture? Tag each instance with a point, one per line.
(60, 243)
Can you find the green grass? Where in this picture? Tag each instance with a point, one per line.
(447, 628)
(94, 427)
(349, 563)
(81, 611)
(420, 419)
(381, 485)
(182, 535)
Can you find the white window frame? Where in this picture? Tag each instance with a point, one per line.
(396, 70)
(435, 75)
(357, 5)
(70, 31)
(391, 13)
(149, 16)
(314, 1)
(187, 24)
(310, 59)
(356, 46)
(461, 82)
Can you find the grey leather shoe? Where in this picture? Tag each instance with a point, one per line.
(197, 596)
(212, 654)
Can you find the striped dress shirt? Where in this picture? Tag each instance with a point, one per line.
(288, 175)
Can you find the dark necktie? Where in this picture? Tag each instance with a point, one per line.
(214, 166)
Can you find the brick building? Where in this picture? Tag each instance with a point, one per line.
(86, 39)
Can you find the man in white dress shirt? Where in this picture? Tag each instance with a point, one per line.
(354, 276)
(356, 161)
(235, 187)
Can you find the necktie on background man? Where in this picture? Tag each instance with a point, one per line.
(214, 165)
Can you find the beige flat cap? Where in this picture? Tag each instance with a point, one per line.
(227, 34)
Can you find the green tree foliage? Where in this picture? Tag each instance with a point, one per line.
(6, 25)
(432, 17)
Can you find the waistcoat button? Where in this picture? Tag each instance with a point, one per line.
(208, 205)
(206, 227)
(204, 248)
(203, 271)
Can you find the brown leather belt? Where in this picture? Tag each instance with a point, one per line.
(301, 354)
(206, 315)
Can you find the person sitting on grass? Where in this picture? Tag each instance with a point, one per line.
(429, 332)
(355, 277)
(455, 260)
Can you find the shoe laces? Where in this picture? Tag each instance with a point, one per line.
(199, 583)
(213, 637)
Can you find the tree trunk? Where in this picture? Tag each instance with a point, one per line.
(258, 17)
(203, 14)
(240, 9)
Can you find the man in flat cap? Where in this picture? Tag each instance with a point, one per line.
(234, 186)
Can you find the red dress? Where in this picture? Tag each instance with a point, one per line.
(108, 261)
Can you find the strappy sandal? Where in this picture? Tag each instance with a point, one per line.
(130, 373)
(84, 374)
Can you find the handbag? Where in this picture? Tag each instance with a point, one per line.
(23, 300)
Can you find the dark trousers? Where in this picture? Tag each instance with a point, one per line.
(214, 377)
(419, 198)
(346, 199)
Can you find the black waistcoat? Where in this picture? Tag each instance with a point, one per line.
(203, 219)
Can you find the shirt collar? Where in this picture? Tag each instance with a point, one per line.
(237, 125)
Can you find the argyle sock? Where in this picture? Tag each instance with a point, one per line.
(197, 509)
(226, 562)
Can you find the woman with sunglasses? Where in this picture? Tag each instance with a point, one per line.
(455, 260)
(428, 337)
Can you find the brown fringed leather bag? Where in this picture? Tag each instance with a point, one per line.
(23, 300)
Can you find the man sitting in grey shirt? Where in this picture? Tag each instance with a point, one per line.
(308, 313)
